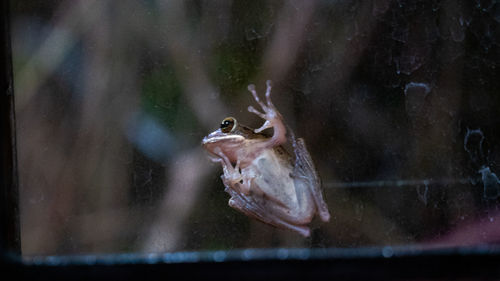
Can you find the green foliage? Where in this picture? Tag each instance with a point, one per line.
(162, 98)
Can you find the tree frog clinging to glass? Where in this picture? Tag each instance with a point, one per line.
(263, 179)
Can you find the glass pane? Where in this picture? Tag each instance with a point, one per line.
(397, 102)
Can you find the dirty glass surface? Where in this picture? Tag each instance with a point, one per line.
(397, 100)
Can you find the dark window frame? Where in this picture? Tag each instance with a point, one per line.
(362, 263)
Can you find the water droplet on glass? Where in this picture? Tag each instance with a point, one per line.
(387, 252)
(422, 193)
(282, 254)
(473, 144)
(491, 184)
(219, 256)
(415, 93)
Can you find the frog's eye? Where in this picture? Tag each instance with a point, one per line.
(228, 125)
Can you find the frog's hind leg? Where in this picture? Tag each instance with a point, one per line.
(251, 208)
(304, 168)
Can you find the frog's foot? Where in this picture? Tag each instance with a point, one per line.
(270, 114)
(232, 175)
(215, 159)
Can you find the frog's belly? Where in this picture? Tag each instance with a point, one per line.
(272, 177)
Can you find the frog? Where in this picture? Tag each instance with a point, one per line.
(264, 179)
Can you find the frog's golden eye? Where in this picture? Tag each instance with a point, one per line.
(228, 125)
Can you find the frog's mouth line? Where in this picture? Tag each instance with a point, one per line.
(208, 140)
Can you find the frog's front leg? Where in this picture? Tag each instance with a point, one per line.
(271, 115)
(232, 176)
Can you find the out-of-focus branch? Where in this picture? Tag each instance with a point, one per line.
(288, 37)
(183, 189)
(183, 46)
(74, 18)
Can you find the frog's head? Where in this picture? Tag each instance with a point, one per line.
(228, 138)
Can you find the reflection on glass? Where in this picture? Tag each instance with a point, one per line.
(397, 101)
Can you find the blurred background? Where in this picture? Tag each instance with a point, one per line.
(398, 101)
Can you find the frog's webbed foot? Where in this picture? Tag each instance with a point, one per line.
(270, 114)
(232, 176)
